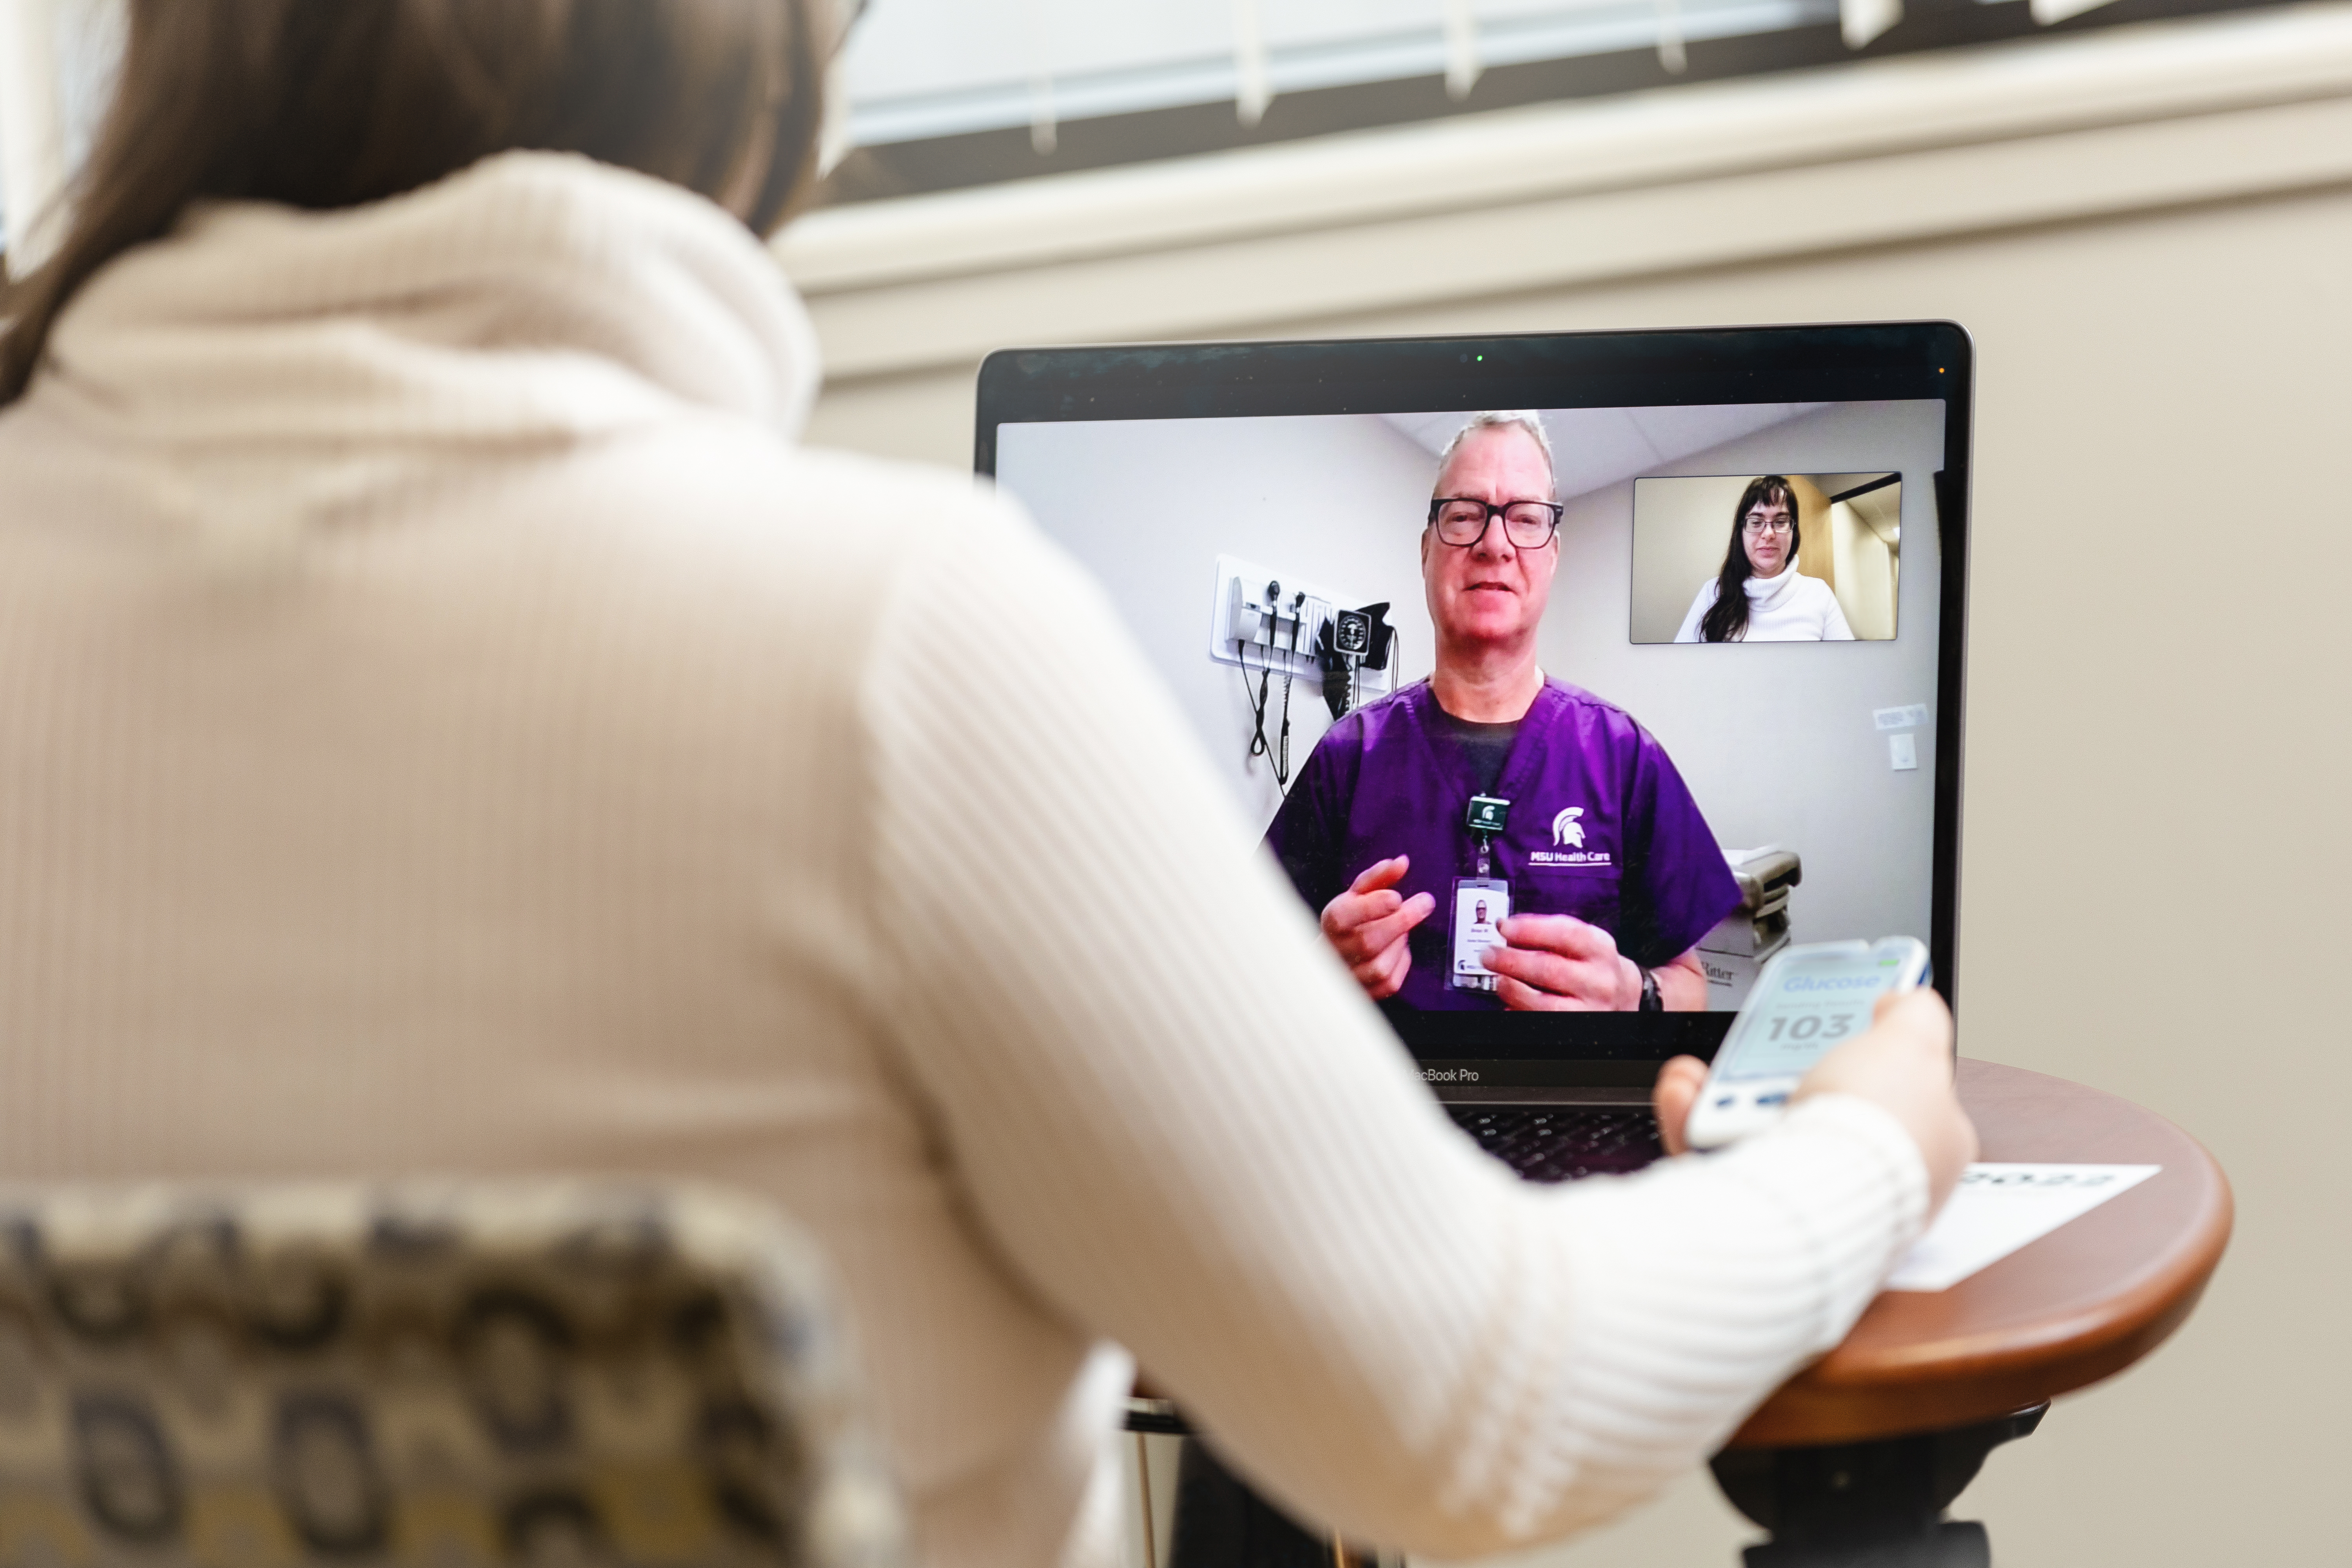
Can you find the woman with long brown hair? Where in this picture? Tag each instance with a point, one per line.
(1760, 595)
(448, 724)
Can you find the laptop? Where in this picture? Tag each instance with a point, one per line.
(1749, 639)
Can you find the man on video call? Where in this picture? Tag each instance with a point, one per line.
(1488, 781)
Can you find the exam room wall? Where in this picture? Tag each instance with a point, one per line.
(2154, 845)
(1147, 509)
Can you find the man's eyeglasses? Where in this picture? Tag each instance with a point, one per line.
(1767, 525)
(1462, 521)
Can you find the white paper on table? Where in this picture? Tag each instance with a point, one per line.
(1998, 1208)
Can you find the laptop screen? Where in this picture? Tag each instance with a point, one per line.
(1638, 692)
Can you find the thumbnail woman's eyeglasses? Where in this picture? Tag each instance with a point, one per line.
(1767, 525)
(1462, 521)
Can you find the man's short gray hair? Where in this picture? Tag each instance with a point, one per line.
(1524, 420)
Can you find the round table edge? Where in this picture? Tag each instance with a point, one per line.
(1846, 1398)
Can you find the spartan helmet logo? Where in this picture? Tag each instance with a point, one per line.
(1566, 833)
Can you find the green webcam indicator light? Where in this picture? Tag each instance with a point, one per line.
(1482, 359)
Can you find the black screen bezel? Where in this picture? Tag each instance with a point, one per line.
(1819, 363)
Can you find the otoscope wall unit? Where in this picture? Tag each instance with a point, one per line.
(1263, 617)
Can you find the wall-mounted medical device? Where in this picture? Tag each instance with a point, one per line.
(1268, 624)
(1351, 642)
(1263, 618)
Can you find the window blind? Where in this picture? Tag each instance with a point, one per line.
(924, 70)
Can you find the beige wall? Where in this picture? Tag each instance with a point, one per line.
(1865, 574)
(2156, 840)
(1816, 554)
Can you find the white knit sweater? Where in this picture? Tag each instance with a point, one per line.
(446, 725)
(1786, 607)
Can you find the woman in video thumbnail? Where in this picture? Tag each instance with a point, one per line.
(1759, 595)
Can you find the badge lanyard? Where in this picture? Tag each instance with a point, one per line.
(1481, 903)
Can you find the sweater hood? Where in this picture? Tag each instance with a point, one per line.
(262, 367)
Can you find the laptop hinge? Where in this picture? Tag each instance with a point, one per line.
(1538, 1094)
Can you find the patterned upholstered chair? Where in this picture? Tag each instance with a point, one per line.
(457, 1376)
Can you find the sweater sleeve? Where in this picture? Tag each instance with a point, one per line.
(1833, 623)
(1181, 1124)
(1700, 605)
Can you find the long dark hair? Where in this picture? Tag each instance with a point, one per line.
(332, 103)
(1727, 619)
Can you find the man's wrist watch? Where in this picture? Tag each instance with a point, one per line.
(1651, 1001)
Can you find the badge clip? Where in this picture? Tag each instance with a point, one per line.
(1485, 817)
(1487, 814)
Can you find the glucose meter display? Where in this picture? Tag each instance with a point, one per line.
(1808, 1010)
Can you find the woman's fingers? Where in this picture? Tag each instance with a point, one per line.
(1903, 1064)
(1677, 1091)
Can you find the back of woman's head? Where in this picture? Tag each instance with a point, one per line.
(332, 103)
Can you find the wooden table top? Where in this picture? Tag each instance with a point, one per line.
(2080, 1304)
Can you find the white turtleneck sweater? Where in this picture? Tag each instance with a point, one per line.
(1785, 608)
(450, 727)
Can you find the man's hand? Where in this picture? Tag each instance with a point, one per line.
(1902, 1063)
(1562, 964)
(1367, 924)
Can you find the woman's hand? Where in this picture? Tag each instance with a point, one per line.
(1672, 1096)
(1903, 1065)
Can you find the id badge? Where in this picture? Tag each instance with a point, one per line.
(1481, 905)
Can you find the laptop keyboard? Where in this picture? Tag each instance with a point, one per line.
(1560, 1143)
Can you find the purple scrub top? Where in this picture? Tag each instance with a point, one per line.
(1601, 827)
